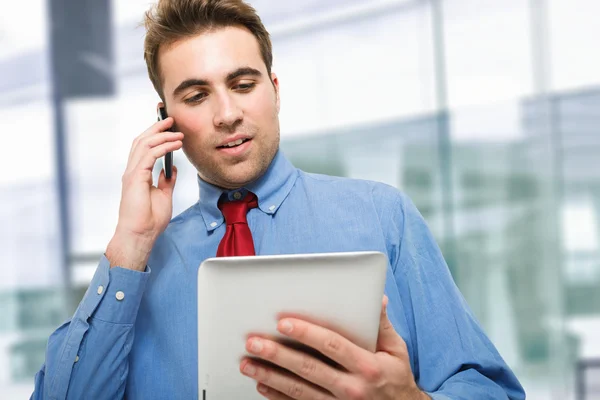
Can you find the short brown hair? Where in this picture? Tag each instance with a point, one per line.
(172, 20)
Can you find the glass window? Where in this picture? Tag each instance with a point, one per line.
(573, 31)
(356, 71)
(488, 51)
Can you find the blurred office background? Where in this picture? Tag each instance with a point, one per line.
(486, 112)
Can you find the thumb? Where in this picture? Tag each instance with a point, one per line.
(388, 339)
(167, 185)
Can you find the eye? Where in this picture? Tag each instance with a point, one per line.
(244, 87)
(196, 98)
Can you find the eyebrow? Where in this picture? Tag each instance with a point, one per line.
(244, 71)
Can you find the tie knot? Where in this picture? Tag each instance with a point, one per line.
(235, 211)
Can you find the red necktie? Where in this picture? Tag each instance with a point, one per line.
(238, 238)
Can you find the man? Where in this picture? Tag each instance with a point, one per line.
(132, 335)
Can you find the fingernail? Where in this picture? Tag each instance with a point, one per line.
(250, 369)
(256, 346)
(262, 388)
(286, 327)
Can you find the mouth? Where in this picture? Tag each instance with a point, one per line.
(234, 144)
(237, 148)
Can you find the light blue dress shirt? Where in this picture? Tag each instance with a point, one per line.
(134, 334)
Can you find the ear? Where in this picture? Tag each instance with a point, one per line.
(275, 81)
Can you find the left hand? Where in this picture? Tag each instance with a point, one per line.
(385, 374)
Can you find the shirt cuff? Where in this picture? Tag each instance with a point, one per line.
(114, 294)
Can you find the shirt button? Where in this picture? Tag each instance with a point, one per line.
(272, 208)
(76, 358)
(100, 289)
(213, 224)
(237, 195)
(120, 295)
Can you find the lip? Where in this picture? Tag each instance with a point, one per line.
(238, 150)
(233, 139)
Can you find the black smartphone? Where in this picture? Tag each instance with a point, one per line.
(168, 158)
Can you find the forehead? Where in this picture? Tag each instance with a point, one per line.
(210, 55)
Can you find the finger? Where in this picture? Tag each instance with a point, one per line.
(155, 140)
(328, 343)
(167, 185)
(149, 159)
(388, 339)
(285, 383)
(300, 363)
(155, 128)
(150, 142)
(271, 394)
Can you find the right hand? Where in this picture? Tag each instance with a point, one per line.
(145, 210)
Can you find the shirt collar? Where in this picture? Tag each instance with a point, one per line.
(271, 189)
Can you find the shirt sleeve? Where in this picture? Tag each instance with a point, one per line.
(454, 358)
(86, 357)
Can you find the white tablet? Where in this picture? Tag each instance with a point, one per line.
(238, 296)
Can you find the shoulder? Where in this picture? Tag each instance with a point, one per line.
(185, 216)
(382, 195)
(185, 221)
(167, 249)
(392, 207)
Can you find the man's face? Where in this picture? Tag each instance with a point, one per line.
(218, 91)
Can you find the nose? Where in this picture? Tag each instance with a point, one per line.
(227, 113)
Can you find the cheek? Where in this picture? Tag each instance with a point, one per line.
(264, 104)
(194, 144)
(193, 134)
(191, 119)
